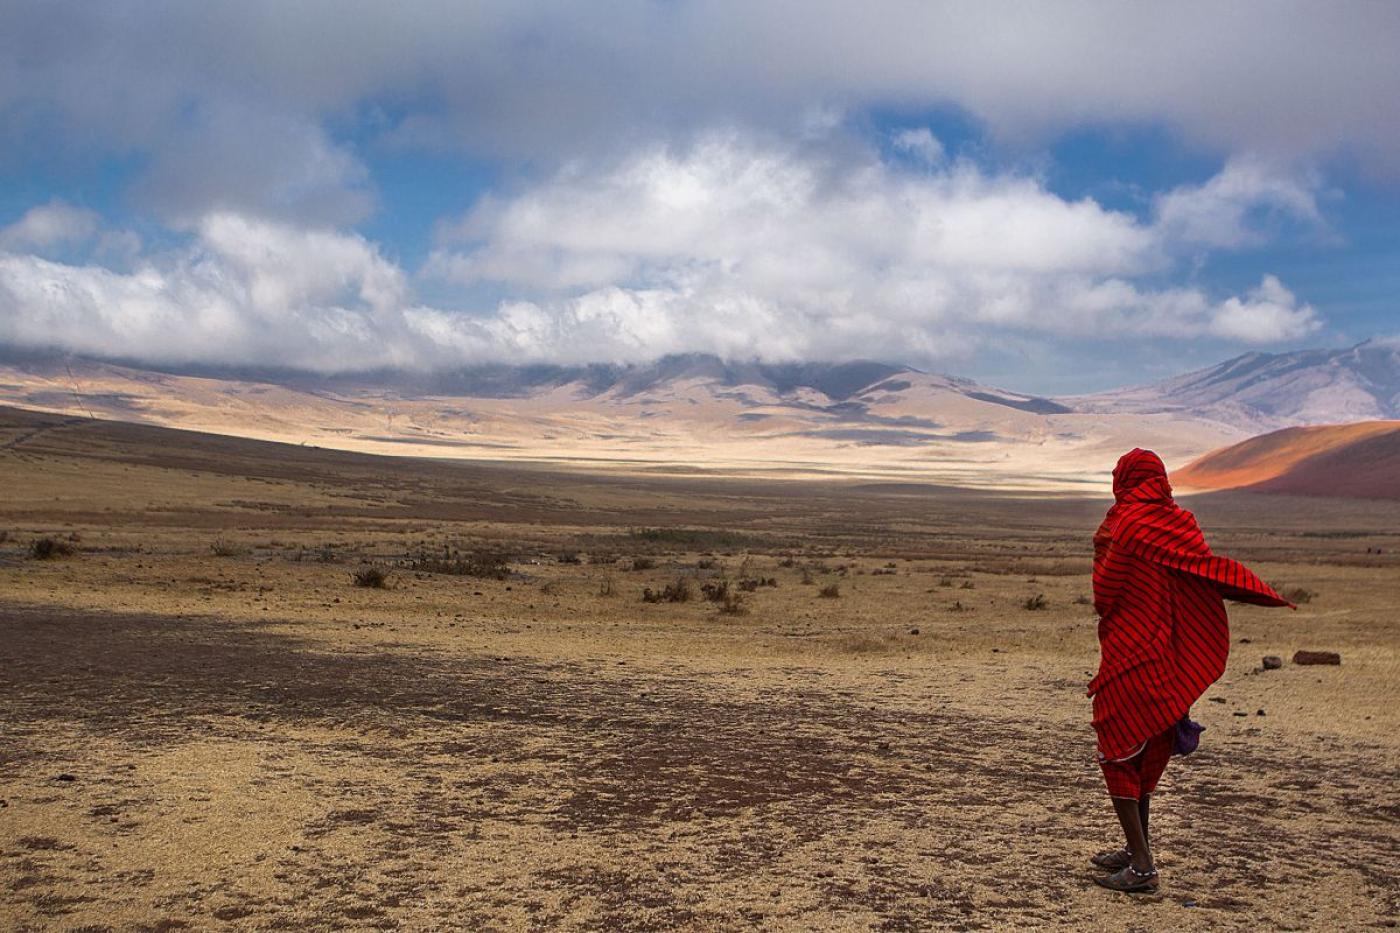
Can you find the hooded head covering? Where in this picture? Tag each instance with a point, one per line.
(1140, 476)
(1139, 479)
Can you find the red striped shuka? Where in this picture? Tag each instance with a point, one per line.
(1159, 592)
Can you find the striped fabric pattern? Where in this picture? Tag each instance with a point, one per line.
(1164, 635)
(1138, 776)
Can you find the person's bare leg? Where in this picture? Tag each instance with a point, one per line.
(1145, 805)
(1130, 817)
(1139, 877)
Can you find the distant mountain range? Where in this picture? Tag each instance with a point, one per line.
(697, 412)
(838, 382)
(1262, 391)
(1252, 391)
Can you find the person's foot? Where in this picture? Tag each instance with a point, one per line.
(1130, 880)
(1112, 859)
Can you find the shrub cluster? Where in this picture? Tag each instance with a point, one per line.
(716, 591)
(677, 592)
(699, 539)
(487, 565)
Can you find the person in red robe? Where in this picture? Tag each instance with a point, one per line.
(1163, 639)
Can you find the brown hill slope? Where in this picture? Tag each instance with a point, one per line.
(1356, 460)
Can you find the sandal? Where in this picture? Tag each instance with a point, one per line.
(1112, 859)
(1129, 880)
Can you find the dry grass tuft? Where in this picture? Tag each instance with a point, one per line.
(1298, 595)
(49, 549)
(371, 577)
(733, 605)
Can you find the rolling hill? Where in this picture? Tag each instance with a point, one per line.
(1352, 460)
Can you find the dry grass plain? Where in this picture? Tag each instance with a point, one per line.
(244, 739)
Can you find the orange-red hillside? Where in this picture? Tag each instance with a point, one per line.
(1357, 460)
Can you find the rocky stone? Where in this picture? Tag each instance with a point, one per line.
(1272, 662)
(1317, 657)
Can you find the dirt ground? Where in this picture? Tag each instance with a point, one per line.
(208, 725)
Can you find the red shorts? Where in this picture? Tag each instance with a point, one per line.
(1133, 777)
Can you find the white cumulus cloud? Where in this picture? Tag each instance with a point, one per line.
(245, 292)
(920, 143)
(1265, 314)
(790, 253)
(47, 226)
(733, 246)
(1233, 208)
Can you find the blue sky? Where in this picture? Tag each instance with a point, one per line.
(1047, 200)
